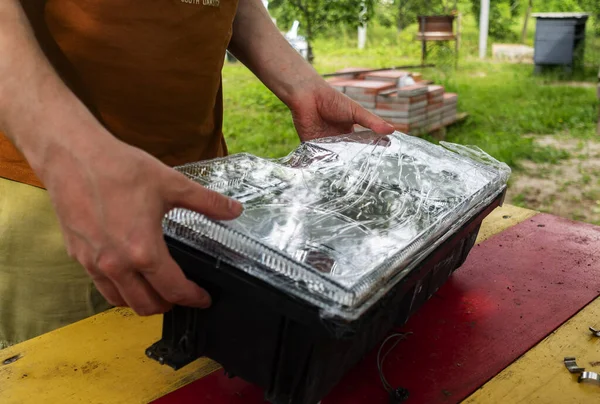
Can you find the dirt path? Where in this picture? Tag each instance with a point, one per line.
(569, 189)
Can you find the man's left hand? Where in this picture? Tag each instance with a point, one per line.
(324, 111)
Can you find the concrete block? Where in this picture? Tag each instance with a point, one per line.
(412, 91)
(366, 87)
(387, 113)
(400, 106)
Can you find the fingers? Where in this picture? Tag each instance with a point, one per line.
(369, 120)
(152, 291)
(172, 285)
(119, 239)
(145, 278)
(117, 276)
(139, 295)
(109, 291)
(189, 195)
(104, 285)
(141, 273)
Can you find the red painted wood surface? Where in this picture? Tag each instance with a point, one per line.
(514, 289)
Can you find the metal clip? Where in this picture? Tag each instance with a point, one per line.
(572, 365)
(595, 332)
(589, 377)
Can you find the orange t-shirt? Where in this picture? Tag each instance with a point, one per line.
(149, 70)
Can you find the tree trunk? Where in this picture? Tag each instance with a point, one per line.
(527, 14)
(309, 38)
(400, 17)
(399, 22)
(484, 26)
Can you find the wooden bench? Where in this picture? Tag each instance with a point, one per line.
(438, 28)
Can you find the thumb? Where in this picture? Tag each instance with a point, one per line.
(195, 197)
(369, 120)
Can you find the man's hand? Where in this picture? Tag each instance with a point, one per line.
(324, 111)
(110, 202)
(110, 198)
(317, 108)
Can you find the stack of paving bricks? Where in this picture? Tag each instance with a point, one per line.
(435, 106)
(405, 108)
(449, 112)
(414, 109)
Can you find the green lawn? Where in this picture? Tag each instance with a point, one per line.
(505, 102)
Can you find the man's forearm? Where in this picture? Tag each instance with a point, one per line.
(258, 44)
(35, 104)
(317, 109)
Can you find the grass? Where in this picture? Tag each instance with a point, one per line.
(255, 120)
(507, 104)
(519, 200)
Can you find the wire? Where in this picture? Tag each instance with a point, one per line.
(381, 359)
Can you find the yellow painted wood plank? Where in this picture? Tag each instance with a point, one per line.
(540, 376)
(101, 359)
(501, 219)
(97, 360)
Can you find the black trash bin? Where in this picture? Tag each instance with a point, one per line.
(559, 40)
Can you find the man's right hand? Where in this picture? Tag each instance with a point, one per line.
(110, 199)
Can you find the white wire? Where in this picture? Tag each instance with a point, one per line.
(380, 360)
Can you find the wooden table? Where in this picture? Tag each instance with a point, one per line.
(496, 332)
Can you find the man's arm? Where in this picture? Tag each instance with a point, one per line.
(109, 197)
(318, 110)
(31, 93)
(258, 44)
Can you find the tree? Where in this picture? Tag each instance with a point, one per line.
(502, 17)
(590, 6)
(318, 16)
(407, 13)
(527, 15)
(385, 13)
